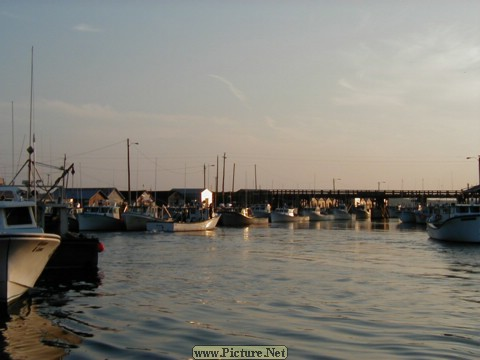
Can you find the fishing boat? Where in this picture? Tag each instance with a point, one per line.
(407, 216)
(137, 217)
(241, 217)
(361, 212)
(340, 212)
(422, 214)
(24, 246)
(186, 219)
(287, 214)
(100, 218)
(455, 222)
(316, 214)
(261, 210)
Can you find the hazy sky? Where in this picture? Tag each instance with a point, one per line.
(368, 92)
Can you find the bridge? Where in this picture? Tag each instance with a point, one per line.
(374, 198)
(295, 196)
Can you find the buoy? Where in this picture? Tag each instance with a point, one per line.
(100, 247)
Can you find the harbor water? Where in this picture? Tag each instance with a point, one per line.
(326, 290)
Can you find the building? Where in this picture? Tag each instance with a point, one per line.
(181, 197)
(90, 196)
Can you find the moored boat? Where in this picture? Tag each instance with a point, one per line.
(186, 219)
(261, 210)
(455, 222)
(287, 214)
(241, 217)
(136, 217)
(24, 246)
(340, 212)
(316, 214)
(407, 216)
(100, 218)
(362, 213)
(422, 214)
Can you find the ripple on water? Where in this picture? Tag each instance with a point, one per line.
(330, 291)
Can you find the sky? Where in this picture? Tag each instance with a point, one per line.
(296, 94)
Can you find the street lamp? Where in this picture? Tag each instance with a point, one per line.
(128, 170)
(334, 183)
(476, 157)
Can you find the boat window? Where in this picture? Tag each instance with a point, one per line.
(18, 216)
(6, 195)
(475, 209)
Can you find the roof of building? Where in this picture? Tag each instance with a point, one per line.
(76, 193)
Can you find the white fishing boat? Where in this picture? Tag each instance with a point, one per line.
(137, 217)
(187, 219)
(241, 217)
(455, 222)
(287, 214)
(100, 218)
(24, 247)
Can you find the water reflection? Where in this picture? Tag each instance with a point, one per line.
(25, 334)
(29, 332)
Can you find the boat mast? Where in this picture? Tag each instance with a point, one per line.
(128, 172)
(233, 183)
(216, 186)
(30, 149)
(223, 179)
(13, 145)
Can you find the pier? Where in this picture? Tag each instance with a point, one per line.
(379, 199)
(295, 197)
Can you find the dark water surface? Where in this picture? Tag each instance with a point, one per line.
(356, 290)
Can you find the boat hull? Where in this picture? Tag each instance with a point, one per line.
(237, 219)
(94, 222)
(25, 256)
(177, 226)
(458, 229)
(280, 217)
(362, 215)
(342, 216)
(407, 217)
(136, 222)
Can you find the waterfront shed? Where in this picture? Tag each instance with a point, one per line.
(180, 197)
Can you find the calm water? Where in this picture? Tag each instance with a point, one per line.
(356, 290)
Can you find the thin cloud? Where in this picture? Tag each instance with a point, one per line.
(86, 28)
(233, 89)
